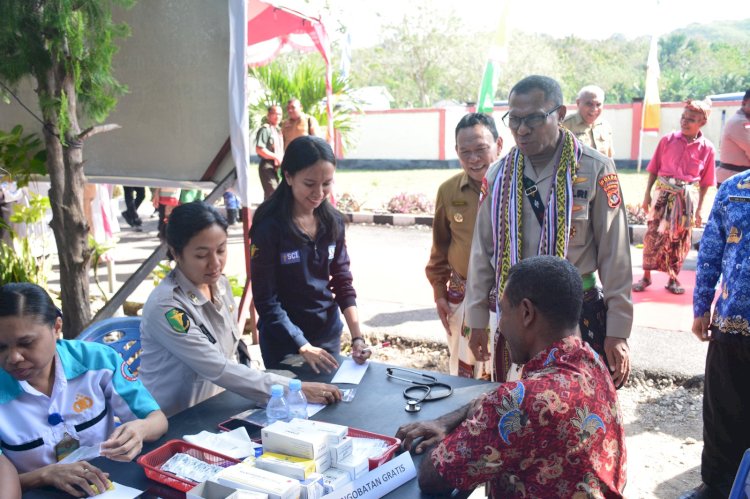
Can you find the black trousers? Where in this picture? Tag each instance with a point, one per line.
(726, 411)
(131, 203)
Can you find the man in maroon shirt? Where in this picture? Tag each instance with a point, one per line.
(558, 431)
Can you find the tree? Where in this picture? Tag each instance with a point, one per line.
(66, 46)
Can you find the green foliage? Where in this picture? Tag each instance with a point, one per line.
(160, 272)
(78, 35)
(432, 56)
(21, 156)
(237, 284)
(17, 261)
(303, 77)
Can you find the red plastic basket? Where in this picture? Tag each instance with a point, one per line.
(152, 462)
(393, 445)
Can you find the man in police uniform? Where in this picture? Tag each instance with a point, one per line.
(587, 124)
(595, 239)
(477, 145)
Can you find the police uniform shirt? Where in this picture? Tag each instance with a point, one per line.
(598, 135)
(599, 239)
(189, 346)
(92, 385)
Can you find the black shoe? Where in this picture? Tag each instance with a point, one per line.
(137, 221)
(703, 491)
(128, 218)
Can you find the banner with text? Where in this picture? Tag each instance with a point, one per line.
(380, 481)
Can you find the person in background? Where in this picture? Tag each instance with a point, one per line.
(300, 265)
(298, 124)
(59, 395)
(478, 145)
(189, 332)
(683, 162)
(734, 148)
(232, 205)
(134, 196)
(9, 478)
(531, 437)
(587, 124)
(165, 199)
(553, 195)
(726, 396)
(269, 145)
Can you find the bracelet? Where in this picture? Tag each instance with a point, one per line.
(358, 338)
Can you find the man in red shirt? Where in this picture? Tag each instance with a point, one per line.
(558, 431)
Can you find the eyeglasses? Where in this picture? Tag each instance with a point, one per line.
(531, 121)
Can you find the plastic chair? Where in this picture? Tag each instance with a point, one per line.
(741, 487)
(121, 333)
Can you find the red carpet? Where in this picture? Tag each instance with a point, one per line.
(658, 308)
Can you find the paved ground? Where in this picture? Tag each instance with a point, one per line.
(394, 297)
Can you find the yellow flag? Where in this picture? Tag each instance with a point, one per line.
(651, 102)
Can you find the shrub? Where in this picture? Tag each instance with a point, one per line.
(411, 203)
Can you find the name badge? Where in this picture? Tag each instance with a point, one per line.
(739, 199)
(290, 257)
(331, 251)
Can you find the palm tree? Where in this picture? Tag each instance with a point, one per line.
(305, 79)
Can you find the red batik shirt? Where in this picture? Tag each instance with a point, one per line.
(557, 432)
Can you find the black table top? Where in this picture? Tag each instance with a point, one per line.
(378, 407)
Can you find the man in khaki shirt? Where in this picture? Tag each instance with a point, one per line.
(587, 124)
(596, 234)
(298, 123)
(477, 145)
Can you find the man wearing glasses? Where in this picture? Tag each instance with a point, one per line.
(552, 195)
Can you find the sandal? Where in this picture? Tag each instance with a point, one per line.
(674, 287)
(641, 285)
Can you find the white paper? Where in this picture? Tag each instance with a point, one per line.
(235, 443)
(313, 409)
(350, 372)
(119, 491)
(380, 481)
(84, 453)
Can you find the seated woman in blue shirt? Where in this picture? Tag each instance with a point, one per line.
(59, 395)
(300, 266)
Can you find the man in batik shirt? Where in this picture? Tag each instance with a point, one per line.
(557, 432)
(726, 393)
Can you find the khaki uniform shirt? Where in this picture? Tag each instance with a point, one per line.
(597, 136)
(291, 129)
(190, 347)
(452, 229)
(599, 240)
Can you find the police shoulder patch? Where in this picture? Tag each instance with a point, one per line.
(611, 187)
(178, 319)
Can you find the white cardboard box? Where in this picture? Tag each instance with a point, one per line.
(243, 476)
(282, 438)
(213, 490)
(334, 432)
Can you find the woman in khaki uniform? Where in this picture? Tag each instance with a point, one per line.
(189, 332)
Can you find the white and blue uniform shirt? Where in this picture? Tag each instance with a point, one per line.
(92, 386)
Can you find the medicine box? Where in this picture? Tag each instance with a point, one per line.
(356, 466)
(293, 467)
(341, 450)
(282, 438)
(334, 479)
(312, 487)
(213, 490)
(246, 477)
(334, 432)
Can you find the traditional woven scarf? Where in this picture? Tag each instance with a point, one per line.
(507, 209)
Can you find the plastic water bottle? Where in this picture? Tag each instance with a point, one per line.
(277, 408)
(296, 400)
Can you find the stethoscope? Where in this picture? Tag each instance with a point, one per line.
(426, 388)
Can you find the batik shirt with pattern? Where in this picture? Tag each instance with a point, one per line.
(557, 432)
(724, 250)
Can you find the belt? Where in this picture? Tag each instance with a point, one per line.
(734, 168)
(589, 281)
